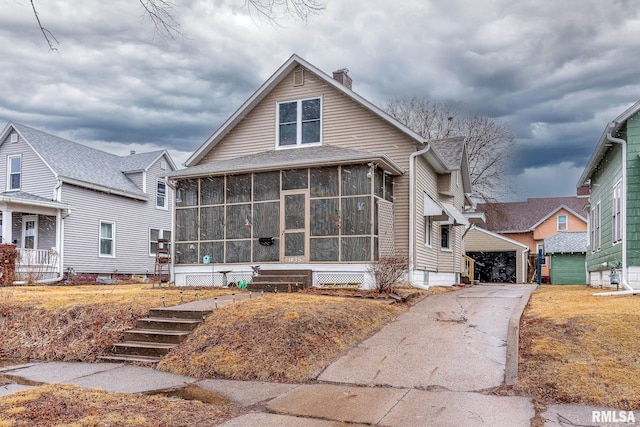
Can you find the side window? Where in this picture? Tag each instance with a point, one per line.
(161, 195)
(14, 169)
(107, 239)
(562, 223)
(445, 231)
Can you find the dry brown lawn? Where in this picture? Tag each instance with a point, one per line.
(67, 405)
(284, 337)
(578, 348)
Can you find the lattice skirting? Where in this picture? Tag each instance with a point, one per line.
(339, 280)
(215, 279)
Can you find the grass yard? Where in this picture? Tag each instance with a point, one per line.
(68, 405)
(578, 348)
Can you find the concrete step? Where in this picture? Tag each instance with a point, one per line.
(156, 336)
(164, 324)
(119, 358)
(289, 278)
(274, 287)
(139, 348)
(168, 313)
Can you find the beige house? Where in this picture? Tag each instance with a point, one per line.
(309, 175)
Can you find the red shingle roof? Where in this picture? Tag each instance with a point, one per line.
(523, 216)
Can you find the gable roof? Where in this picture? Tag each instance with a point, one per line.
(454, 152)
(612, 129)
(85, 166)
(564, 242)
(520, 217)
(314, 156)
(434, 157)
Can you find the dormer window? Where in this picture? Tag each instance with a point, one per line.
(299, 122)
(14, 167)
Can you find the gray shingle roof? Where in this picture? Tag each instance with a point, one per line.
(566, 242)
(84, 164)
(290, 158)
(451, 150)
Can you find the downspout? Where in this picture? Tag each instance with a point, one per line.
(623, 208)
(628, 288)
(412, 214)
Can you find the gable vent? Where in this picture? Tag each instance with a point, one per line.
(298, 77)
(14, 137)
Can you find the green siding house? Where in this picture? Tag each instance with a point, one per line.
(613, 177)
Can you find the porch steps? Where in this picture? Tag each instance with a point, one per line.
(281, 280)
(155, 335)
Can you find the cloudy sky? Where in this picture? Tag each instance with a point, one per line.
(556, 72)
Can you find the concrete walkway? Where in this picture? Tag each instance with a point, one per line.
(434, 365)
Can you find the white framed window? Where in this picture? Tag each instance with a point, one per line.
(563, 223)
(107, 239)
(595, 228)
(299, 122)
(154, 235)
(161, 194)
(30, 232)
(445, 236)
(14, 172)
(428, 223)
(617, 212)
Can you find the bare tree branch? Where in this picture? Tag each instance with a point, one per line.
(489, 142)
(273, 10)
(48, 36)
(163, 16)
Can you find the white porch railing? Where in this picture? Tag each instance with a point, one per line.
(34, 265)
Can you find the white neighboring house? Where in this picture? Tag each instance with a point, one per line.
(71, 208)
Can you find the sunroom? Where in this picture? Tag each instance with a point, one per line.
(326, 209)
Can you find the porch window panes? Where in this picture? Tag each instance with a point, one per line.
(299, 122)
(214, 249)
(107, 239)
(212, 223)
(238, 188)
(15, 172)
(238, 251)
(356, 249)
(355, 181)
(388, 188)
(186, 253)
(295, 179)
(325, 249)
(239, 222)
(266, 219)
(187, 193)
(187, 224)
(161, 195)
(324, 182)
(356, 215)
(378, 185)
(325, 217)
(263, 253)
(266, 186)
(212, 190)
(295, 215)
(294, 244)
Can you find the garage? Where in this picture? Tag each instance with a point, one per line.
(497, 258)
(567, 252)
(497, 267)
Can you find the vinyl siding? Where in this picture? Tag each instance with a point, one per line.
(132, 219)
(36, 178)
(426, 181)
(345, 123)
(138, 179)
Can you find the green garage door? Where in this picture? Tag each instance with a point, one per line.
(568, 269)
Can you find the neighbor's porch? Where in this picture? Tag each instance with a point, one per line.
(34, 226)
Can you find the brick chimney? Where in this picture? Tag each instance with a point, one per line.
(342, 76)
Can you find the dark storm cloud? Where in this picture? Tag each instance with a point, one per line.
(555, 74)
